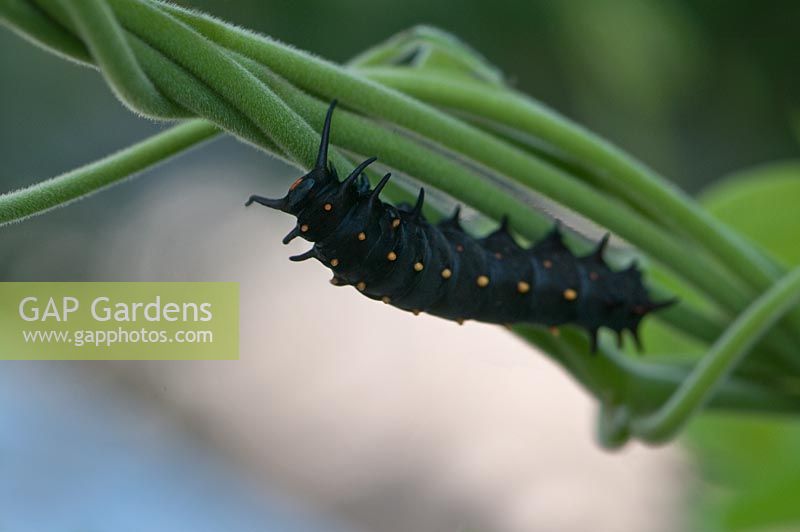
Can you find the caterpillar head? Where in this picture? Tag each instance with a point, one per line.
(306, 187)
(318, 199)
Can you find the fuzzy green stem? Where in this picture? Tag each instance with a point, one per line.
(626, 177)
(106, 41)
(81, 182)
(615, 171)
(31, 23)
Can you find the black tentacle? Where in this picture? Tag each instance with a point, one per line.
(322, 154)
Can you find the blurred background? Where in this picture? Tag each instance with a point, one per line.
(343, 414)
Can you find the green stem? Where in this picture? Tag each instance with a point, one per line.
(713, 368)
(106, 41)
(31, 23)
(616, 172)
(81, 182)
(620, 173)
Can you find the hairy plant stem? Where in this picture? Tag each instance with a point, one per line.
(614, 170)
(78, 183)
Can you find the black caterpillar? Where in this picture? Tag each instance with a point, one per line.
(393, 254)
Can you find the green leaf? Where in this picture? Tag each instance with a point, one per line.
(762, 204)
